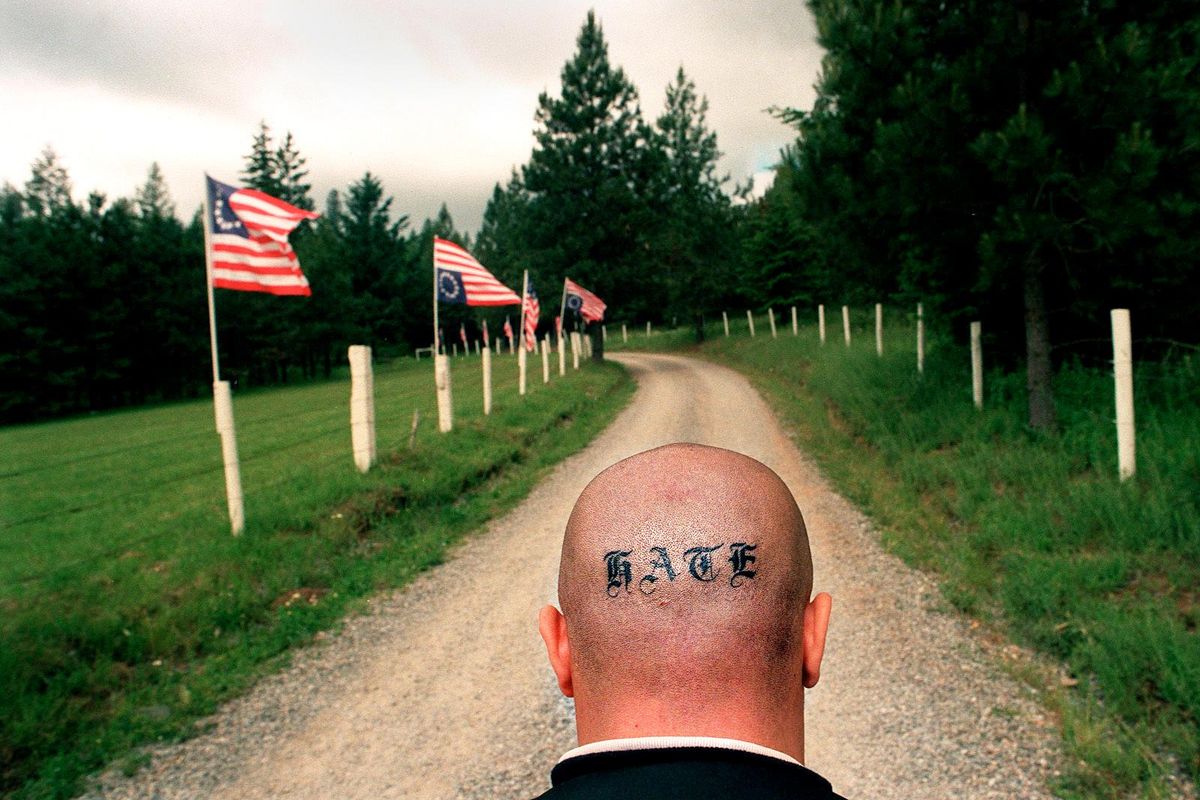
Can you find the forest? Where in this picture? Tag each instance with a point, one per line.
(1030, 165)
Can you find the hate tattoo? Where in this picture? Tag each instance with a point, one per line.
(699, 562)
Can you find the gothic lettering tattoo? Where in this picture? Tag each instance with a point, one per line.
(658, 565)
(661, 561)
(620, 573)
(740, 558)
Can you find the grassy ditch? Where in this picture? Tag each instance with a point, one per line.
(1032, 533)
(128, 610)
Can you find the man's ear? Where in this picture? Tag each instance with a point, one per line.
(816, 624)
(553, 627)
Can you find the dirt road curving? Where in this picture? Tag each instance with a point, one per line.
(442, 691)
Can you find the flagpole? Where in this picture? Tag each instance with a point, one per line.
(441, 366)
(208, 270)
(524, 297)
(562, 311)
(436, 342)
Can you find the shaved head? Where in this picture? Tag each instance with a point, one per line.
(683, 585)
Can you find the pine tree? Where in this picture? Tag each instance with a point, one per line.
(49, 188)
(589, 180)
(153, 199)
(261, 169)
(290, 173)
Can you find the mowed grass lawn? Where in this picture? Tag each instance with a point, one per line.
(127, 609)
(1034, 534)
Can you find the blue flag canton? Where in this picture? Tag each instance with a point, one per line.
(574, 301)
(450, 287)
(529, 292)
(222, 219)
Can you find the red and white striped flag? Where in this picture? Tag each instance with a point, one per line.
(462, 332)
(485, 334)
(508, 331)
(462, 279)
(532, 310)
(248, 241)
(587, 304)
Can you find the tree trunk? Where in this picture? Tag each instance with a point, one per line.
(1038, 369)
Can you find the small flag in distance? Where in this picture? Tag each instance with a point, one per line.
(589, 306)
(248, 241)
(532, 310)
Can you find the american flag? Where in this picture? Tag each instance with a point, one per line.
(248, 241)
(532, 310)
(587, 304)
(462, 279)
(485, 334)
(508, 329)
(462, 332)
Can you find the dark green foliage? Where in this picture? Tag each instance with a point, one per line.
(990, 158)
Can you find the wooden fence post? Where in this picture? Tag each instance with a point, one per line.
(522, 357)
(771, 316)
(362, 407)
(725, 319)
(574, 350)
(977, 364)
(624, 334)
(795, 323)
(487, 381)
(750, 321)
(441, 377)
(1123, 379)
(647, 329)
(562, 355)
(821, 321)
(604, 334)
(846, 323)
(879, 329)
(920, 338)
(223, 406)
(546, 359)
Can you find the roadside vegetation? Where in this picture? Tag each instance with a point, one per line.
(128, 609)
(1030, 532)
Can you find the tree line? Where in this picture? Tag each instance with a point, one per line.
(1030, 165)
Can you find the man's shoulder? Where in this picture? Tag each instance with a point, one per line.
(684, 772)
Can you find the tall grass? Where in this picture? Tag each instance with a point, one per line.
(128, 609)
(1032, 532)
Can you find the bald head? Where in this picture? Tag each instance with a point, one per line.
(684, 580)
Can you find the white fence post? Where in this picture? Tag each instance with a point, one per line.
(575, 349)
(487, 381)
(647, 328)
(750, 321)
(771, 316)
(454, 349)
(223, 406)
(546, 359)
(1123, 378)
(879, 329)
(795, 323)
(725, 319)
(497, 345)
(821, 321)
(604, 334)
(476, 347)
(441, 378)
(521, 358)
(362, 407)
(846, 323)
(624, 334)
(977, 364)
(920, 338)
(562, 355)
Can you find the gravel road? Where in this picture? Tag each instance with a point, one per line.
(442, 689)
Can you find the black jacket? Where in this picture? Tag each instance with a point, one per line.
(679, 773)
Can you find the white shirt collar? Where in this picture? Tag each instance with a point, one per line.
(660, 742)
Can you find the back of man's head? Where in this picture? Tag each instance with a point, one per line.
(684, 586)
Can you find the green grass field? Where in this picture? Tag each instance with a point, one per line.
(1034, 534)
(128, 609)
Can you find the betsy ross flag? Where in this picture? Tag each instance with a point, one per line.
(508, 330)
(462, 279)
(532, 310)
(248, 241)
(587, 304)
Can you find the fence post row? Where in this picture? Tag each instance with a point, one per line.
(223, 407)
(362, 406)
(1123, 380)
(977, 364)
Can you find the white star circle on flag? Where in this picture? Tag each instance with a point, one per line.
(447, 285)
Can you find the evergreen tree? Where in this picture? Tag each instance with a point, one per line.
(48, 189)
(153, 199)
(589, 181)
(289, 173)
(261, 169)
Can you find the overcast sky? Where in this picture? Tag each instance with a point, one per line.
(437, 98)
